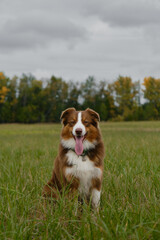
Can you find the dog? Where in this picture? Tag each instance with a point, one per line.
(79, 163)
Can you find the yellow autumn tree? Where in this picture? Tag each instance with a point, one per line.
(152, 93)
(3, 93)
(2, 76)
(3, 88)
(124, 92)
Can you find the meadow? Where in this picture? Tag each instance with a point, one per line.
(130, 201)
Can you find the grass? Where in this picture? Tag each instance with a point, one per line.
(130, 202)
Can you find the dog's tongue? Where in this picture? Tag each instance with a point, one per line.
(79, 145)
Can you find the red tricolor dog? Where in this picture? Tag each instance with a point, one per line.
(79, 163)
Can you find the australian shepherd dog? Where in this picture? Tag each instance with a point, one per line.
(79, 163)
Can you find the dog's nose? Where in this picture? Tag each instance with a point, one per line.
(78, 131)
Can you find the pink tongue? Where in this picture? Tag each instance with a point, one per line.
(79, 145)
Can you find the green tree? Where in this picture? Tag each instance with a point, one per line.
(74, 93)
(56, 94)
(89, 92)
(104, 102)
(11, 103)
(30, 100)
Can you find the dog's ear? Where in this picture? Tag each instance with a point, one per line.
(94, 115)
(65, 114)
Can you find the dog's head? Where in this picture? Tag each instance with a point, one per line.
(80, 129)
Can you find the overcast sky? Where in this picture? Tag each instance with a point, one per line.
(74, 39)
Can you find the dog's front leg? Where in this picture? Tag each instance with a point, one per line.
(96, 192)
(95, 198)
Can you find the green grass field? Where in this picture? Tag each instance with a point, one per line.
(130, 202)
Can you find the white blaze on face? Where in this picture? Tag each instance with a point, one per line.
(79, 137)
(79, 124)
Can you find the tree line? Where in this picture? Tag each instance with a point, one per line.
(29, 100)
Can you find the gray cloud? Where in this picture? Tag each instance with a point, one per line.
(34, 30)
(125, 13)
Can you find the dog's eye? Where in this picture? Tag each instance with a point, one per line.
(71, 123)
(86, 122)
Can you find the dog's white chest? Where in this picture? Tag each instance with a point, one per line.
(84, 169)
